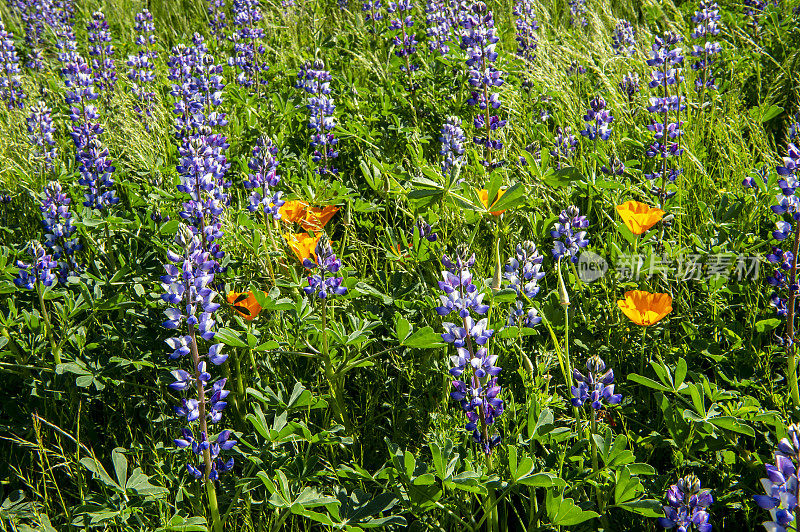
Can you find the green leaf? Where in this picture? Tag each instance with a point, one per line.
(646, 507)
(650, 383)
(120, 463)
(564, 512)
(733, 424)
(139, 483)
(767, 325)
(229, 337)
(424, 338)
(99, 473)
(513, 197)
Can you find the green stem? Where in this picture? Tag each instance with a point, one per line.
(792, 303)
(216, 522)
(48, 325)
(330, 376)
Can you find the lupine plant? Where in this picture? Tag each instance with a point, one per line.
(188, 290)
(480, 42)
(705, 21)
(564, 145)
(527, 28)
(316, 82)
(577, 13)
(623, 41)
(10, 88)
(59, 239)
(217, 20)
(781, 484)
(38, 275)
(404, 40)
(40, 135)
(36, 15)
(248, 46)
(438, 23)
(141, 65)
(784, 278)
(452, 139)
(630, 87)
(522, 272)
(666, 107)
(101, 50)
(373, 12)
(688, 506)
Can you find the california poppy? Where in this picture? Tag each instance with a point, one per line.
(483, 195)
(293, 211)
(245, 304)
(315, 219)
(302, 245)
(644, 308)
(638, 216)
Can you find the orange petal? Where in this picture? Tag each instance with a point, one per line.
(639, 217)
(292, 211)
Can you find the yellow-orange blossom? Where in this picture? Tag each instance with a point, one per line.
(638, 216)
(645, 308)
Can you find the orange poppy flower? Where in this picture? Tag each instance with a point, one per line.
(315, 219)
(245, 304)
(302, 245)
(644, 308)
(483, 195)
(638, 216)
(292, 211)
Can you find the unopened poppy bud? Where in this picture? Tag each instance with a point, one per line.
(563, 295)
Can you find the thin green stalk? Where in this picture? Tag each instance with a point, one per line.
(216, 522)
(48, 325)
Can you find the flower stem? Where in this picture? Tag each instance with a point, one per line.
(48, 325)
(201, 399)
(216, 522)
(789, 340)
(330, 376)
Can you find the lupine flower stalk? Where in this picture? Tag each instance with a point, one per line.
(597, 119)
(38, 275)
(666, 108)
(475, 388)
(263, 178)
(316, 81)
(705, 27)
(564, 146)
(480, 40)
(522, 272)
(141, 65)
(630, 86)
(452, 139)
(527, 27)
(101, 49)
(688, 506)
(372, 12)
(94, 165)
(439, 26)
(781, 484)
(216, 18)
(248, 47)
(577, 13)
(57, 222)
(10, 88)
(40, 135)
(36, 14)
(569, 235)
(596, 387)
(405, 42)
(784, 278)
(623, 41)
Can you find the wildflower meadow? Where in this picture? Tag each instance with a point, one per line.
(425, 265)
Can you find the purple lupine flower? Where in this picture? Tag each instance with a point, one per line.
(248, 46)
(597, 120)
(575, 69)
(372, 10)
(263, 166)
(754, 11)
(705, 20)
(101, 49)
(439, 26)
(630, 86)
(405, 41)
(615, 167)
(564, 146)
(187, 284)
(40, 134)
(208, 84)
(480, 42)
(324, 282)
(10, 88)
(523, 272)
(623, 41)
(787, 207)
(782, 483)
(527, 27)
(142, 74)
(316, 81)
(793, 131)
(666, 59)
(36, 14)
(57, 222)
(39, 271)
(596, 387)
(577, 13)
(568, 234)
(688, 506)
(92, 157)
(426, 231)
(187, 107)
(202, 166)
(475, 388)
(452, 139)
(216, 18)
